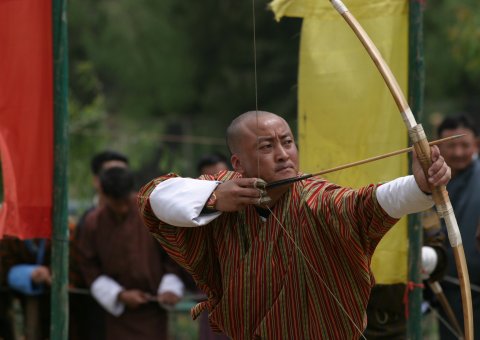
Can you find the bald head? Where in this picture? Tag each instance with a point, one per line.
(236, 131)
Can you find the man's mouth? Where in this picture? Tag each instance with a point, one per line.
(282, 168)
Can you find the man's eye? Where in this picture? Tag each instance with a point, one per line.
(265, 146)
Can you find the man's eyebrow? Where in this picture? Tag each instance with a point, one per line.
(264, 138)
(268, 138)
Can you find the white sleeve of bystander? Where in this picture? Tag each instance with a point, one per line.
(105, 290)
(171, 283)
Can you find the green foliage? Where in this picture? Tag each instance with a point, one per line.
(452, 56)
(144, 69)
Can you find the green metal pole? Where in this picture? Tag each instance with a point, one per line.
(416, 82)
(59, 291)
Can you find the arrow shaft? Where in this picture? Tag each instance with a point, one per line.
(349, 165)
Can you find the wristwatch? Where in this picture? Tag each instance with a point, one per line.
(212, 201)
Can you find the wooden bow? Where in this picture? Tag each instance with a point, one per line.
(422, 148)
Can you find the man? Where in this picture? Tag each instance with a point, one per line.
(464, 191)
(102, 161)
(86, 316)
(114, 252)
(289, 263)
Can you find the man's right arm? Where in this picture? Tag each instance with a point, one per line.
(172, 209)
(180, 201)
(187, 244)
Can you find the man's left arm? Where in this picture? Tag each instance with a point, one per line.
(410, 194)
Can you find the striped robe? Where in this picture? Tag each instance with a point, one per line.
(259, 284)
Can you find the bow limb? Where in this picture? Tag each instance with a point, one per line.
(419, 139)
(438, 291)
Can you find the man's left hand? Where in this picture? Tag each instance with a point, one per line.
(439, 172)
(168, 298)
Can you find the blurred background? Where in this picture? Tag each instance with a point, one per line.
(160, 80)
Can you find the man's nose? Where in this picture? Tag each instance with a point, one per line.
(280, 153)
(458, 150)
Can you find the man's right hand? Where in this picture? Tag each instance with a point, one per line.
(133, 298)
(236, 194)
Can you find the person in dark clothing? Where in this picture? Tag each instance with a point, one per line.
(464, 190)
(127, 271)
(87, 317)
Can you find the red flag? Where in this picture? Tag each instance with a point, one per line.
(26, 117)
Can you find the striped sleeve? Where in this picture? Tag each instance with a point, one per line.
(191, 248)
(350, 213)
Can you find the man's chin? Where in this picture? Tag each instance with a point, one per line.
(459, 165)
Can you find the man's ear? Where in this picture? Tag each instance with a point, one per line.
(237, 164)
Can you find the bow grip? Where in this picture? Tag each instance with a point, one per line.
(440, 193)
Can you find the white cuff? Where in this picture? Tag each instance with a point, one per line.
(171, 283)
(429, 261)
(402, 196)
(105, 290)
(180, 201)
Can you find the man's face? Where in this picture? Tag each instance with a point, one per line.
(120, 207)
(114, 163)
(266, 149)
(458, 153)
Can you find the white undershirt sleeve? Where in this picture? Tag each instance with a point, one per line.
(171, 283)
(402, 196)
(180, 201)
(105, 290)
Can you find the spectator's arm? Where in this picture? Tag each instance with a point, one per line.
(106, 290)
(19, 278)
(171, 283)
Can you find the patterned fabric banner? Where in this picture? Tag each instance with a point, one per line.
(26, 117)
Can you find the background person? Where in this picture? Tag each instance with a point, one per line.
(128, 273)
(464, 191)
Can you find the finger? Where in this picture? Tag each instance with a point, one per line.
(446, 178)
(436, 165)
(250, 193)
(434, 153)
(441, 181)
(438, 175)
(244, 201)
(142, 300)
(248, 182)
(260, 184)
(169, 300)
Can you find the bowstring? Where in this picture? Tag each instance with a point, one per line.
(330, 291)
(258, 175)
(256, 82)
